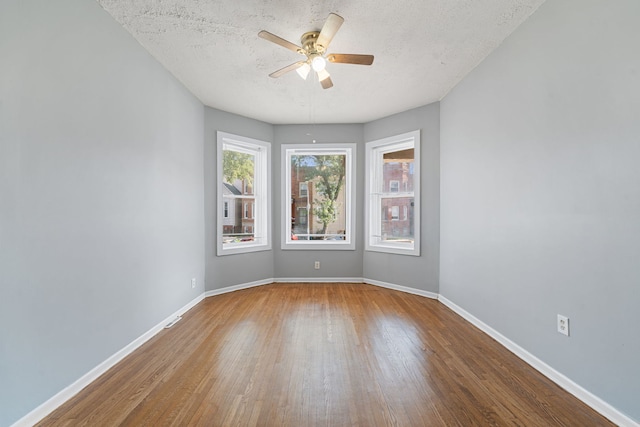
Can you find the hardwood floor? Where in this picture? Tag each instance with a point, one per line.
(322, 355)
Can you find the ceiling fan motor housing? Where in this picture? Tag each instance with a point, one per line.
(309, 46)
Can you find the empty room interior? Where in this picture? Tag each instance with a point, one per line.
(374, 213)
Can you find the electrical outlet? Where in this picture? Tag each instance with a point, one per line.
(193, 283)
(317, 265)
(563, 324)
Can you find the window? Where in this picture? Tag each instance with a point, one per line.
(322, 216)
(302, 217)
(393, 186)
(395, 213)
(243, 194)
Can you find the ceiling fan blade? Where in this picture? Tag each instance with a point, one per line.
(286, 69)
(330, 28)
(350, 58)
(279, 40)
(326, 83)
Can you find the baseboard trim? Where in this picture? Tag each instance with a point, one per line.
(400, 288)
(68, 392)
(570, 386)
(238, 287)
(318, 280)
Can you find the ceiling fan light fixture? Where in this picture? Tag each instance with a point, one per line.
(314, 45)
(303, 71)
(318, 63)
(323, 74)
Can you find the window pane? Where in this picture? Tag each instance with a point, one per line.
(321, 199)
(398, 171)
(396, 228)
(397, 176)
(238, 176)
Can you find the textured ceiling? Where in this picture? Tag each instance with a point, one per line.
(422, 49)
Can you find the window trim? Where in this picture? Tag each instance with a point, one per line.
(347, 149)
(379, 147)
(261, 194)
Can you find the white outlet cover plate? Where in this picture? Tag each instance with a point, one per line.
(563, 324)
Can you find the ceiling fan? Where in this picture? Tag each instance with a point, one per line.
(314, 47)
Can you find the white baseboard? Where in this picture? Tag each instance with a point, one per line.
(241, 286)
(318, 280)
(585, 396)
(68, 392)
(405, 289)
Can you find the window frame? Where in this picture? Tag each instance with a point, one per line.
(373, 202)
(261, 194)
(347, 149)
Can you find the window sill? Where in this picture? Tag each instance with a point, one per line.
(242, 249)
(393, 249)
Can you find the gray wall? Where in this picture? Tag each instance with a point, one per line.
(541, 196)
(101, 196)
(236, 269)
(299, 263)
(415, 272)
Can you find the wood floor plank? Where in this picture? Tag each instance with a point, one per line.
(322, 354)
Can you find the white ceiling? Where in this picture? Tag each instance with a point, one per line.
(422, 49)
